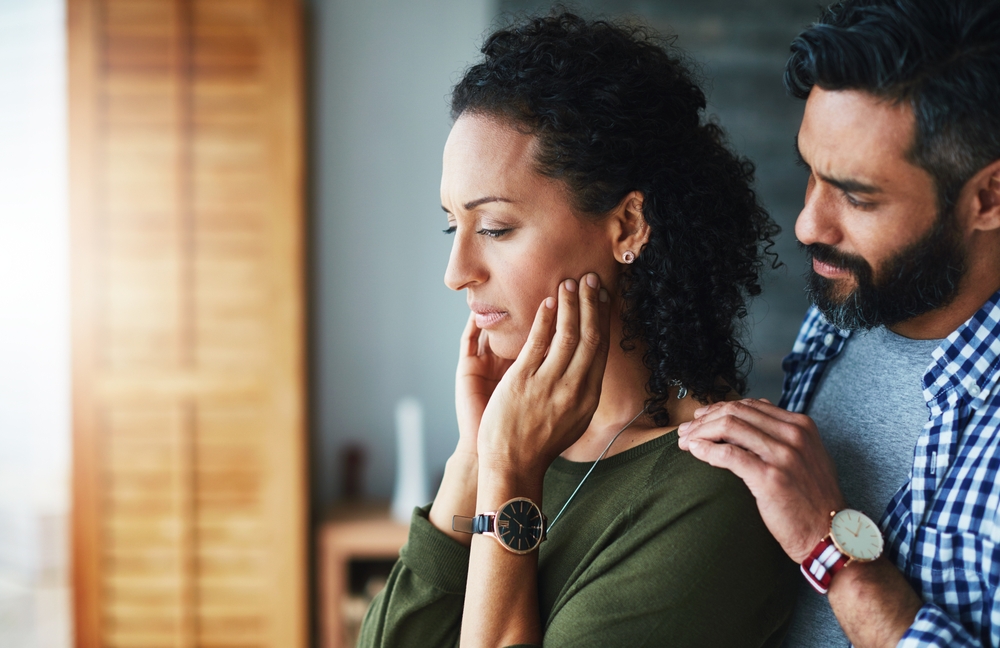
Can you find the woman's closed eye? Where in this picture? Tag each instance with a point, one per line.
(483, 231)
(493, 233)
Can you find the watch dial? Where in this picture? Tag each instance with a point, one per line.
(856, 535)
(519, 525)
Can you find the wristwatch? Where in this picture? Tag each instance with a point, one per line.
(853, 537)
(518, 525)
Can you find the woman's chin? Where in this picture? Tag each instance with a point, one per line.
(506, 346)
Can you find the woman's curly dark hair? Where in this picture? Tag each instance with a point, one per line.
(616, 109)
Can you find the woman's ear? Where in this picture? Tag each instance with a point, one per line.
(629, 229)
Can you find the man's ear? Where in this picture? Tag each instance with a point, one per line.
(629, 229)
(985, 190)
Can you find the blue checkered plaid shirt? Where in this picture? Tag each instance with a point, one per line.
(942, 528)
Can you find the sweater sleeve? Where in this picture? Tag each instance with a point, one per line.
(421, 604)
(705, 574)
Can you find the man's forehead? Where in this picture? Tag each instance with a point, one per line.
(854, 132)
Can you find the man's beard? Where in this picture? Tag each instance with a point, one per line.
(919, 278)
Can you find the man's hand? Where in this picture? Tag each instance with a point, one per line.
(780, 457)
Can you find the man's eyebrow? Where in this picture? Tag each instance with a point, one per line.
(851, 186)
(799, 160)
(472, 204)
(847, 185)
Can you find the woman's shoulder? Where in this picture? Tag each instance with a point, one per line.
(677, 484)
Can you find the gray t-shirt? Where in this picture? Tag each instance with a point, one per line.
(869, 409)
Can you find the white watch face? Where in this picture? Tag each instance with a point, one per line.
(856, 535)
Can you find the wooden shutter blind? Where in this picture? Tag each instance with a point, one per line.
(188, 323)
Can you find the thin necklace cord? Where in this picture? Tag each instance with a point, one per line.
(608, 447)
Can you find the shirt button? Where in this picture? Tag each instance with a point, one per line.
(974, 390)
(828, 340)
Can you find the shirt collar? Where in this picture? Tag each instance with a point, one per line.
(823, 341)
(968, 360)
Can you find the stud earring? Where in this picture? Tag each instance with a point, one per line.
(628, 256)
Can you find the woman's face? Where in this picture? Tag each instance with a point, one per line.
(516, 235)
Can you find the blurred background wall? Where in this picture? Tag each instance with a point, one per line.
(34, 326)
(384, 324)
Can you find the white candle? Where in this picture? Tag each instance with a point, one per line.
(411, 470)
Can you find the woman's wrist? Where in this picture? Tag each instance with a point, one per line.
(499, 482)
(457, 495)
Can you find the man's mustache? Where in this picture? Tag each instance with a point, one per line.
(832, 256)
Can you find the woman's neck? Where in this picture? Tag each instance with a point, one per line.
(623, 395)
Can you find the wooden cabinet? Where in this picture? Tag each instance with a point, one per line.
(186, 164)
(351, 533)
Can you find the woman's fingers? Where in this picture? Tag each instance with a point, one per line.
(591, 352)
(470, 344)
(567, 335)
(539, 337)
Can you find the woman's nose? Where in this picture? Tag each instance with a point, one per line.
(465, 266)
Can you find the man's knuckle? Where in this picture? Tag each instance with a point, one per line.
(776, 478)
(793, 433)
(783, 455)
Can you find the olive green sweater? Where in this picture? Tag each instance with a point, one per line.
(657, 549)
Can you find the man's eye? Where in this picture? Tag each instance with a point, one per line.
(493, 233)
(450, 230)
(859, 204)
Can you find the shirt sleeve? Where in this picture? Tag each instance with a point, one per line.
(421, 604)
(933, 627)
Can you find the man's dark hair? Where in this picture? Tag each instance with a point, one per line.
(616, 109)
(940, 56)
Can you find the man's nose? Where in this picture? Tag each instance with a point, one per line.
(819, 221)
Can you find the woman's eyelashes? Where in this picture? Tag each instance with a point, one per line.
(491, 233)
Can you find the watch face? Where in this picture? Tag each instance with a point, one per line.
(856, 535)
(518, 525)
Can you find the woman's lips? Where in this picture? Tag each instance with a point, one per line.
(827, 270)
(489, 319)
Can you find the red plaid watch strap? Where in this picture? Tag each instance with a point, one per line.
(823, 562)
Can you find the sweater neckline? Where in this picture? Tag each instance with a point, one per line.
(616, 461)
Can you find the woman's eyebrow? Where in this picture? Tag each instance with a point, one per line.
(472, 204)
(482, 201)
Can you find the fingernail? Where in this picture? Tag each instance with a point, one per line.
(682, 428)
(570, 285)
(592, 280)
(603, 296)
(550, 302)
(700, 411)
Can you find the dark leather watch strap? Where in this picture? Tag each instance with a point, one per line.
(482, 523)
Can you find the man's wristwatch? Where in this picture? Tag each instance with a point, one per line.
(518, 525)
(853, 537)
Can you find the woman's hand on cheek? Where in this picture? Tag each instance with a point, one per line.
(479, 372)
(545, 401)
